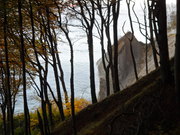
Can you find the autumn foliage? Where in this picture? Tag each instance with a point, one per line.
(79, 103)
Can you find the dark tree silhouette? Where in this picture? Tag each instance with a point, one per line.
(177, 55)
(43, 90)
(150, 15)
(131, 39)
(56, 74)
(100, 27)
(65, 30)
(58, 58)
(115, 14)
(160, 8)
(143, 27)
(22, 53)
(3, 95)
(10, 124)
(88, 23)
(40, 123)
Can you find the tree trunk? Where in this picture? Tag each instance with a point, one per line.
(60, 103)
(3, 108)
(146, 40)
(150, 8)
(91, 66)
(163, 41)
(47, 98)
(72, 87)
(3, 95)
(131, 39)
(58, 58)
(109, 48)
(22, 53)
(104, 60)
(66, 32)
(104, 56)
(63, 84)
(10, 122)
(88, 24)
(43, 92)
(177, 56)
(115, 12)
(40, 123)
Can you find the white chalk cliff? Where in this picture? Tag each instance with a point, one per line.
(125, 64)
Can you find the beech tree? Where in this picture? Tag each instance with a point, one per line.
(22, 52)
(7, 77)
(10, 63)
(151, 30)
(160, 9)
(115, 14)
(177, 54)
(104, 26)
(88, 20)
(3, 90)
(3, 104)
(131, 39)
(56, 74)
(65, 30)
(43, 87)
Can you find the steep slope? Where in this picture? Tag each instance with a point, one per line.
(138, 109)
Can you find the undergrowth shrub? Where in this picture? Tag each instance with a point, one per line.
(80, 103)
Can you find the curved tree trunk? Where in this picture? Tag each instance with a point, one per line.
(43, 91)
(131, 39)
(59, 103)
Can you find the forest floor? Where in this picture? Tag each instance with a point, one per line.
(146, 108)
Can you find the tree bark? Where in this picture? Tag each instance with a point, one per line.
(22, 55)
(66, 32)
(72, 85)
(10, 121)
(150, 8)
(109, 46)
(92, 73)
(40, 123)
(115, 12)
(60, 103)
(177, 55)
(105, 61)
(43, 91)
(89, 31)
(131, 39)
(163, 41)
